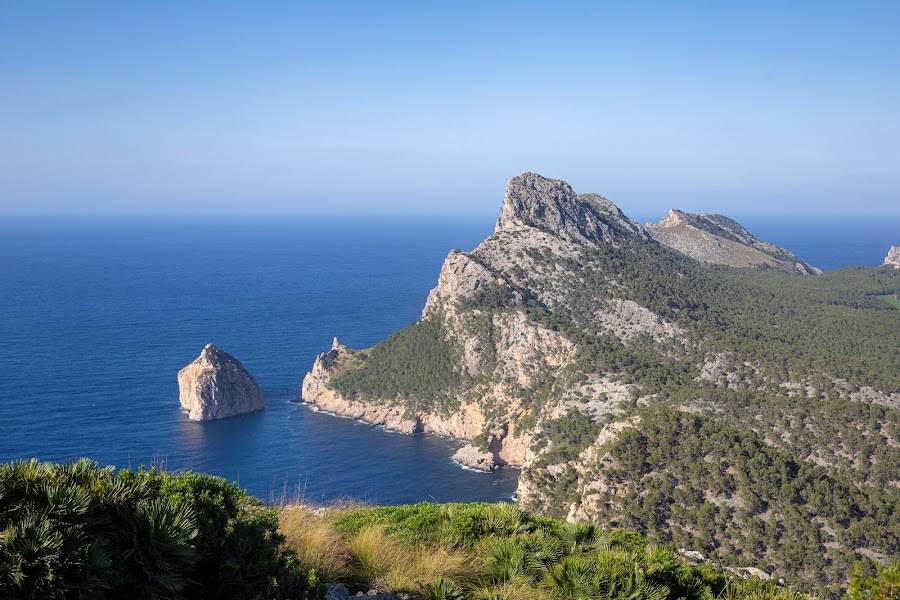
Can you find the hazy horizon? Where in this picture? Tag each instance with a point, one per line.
(764, 109)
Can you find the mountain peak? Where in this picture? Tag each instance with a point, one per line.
(718, 239)
(551, 205)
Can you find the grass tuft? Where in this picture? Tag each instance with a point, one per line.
(317, 545)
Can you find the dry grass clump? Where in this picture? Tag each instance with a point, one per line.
(369, 557)
(509, 591)
(398, 567)
(317, 544)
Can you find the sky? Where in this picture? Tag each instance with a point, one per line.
(430, 107)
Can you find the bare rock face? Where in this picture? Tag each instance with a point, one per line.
(552, 206)
(217, 386)
(719, 240)
(893, 257)
(476, 458)
(461, 276)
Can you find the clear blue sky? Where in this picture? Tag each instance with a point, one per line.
(740, 108)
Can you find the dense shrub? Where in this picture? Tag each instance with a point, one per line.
(79, 531)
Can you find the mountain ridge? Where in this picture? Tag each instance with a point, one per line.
(717, 239)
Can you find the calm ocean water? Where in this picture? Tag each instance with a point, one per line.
(97, 315)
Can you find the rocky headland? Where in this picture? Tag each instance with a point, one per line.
(577, 344)
(545, 214)
(893, 257)
(217, 386)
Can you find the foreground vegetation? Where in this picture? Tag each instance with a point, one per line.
(79, 531)
(481, 551)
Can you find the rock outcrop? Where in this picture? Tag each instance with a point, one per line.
(893, 257)
(506, 355)
(464, 424)
(476, 458)
(716, 239)
(538, 215)
(461, 277)
(551, 205)
(217, 386)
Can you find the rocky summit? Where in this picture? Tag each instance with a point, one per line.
(217, 386)
(552, 206)
(716, 239)
(893, 257)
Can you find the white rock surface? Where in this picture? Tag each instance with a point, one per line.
(476, 458)
(217, 386)
(893, 257)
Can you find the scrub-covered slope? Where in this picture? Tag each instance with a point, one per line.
(747, 413)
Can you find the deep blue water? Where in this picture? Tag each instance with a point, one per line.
(830, 242)
(97, 315)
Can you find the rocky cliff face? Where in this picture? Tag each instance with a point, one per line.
(893, 257)
(508, 357)
(217, 386)
(506, 354)
(716, 239)
(550, 205)
(465, 423)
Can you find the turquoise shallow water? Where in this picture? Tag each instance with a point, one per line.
(97, 315)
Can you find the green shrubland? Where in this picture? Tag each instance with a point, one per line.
(502, 552)
(76, 530)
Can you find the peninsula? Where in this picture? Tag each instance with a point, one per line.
(684, 379)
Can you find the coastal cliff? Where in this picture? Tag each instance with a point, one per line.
(631, 378)
(217, 386)
(465, 423)
(893, 257)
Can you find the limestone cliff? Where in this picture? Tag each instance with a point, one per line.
(893, 257)
(506, 355)
(217, 386)
(550, 205)
(717, 239)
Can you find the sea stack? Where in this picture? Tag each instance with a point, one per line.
(217, 386)
(893, 257)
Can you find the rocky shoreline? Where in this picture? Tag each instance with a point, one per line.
(464, 425)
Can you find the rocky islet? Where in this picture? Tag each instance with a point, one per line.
(217, 386)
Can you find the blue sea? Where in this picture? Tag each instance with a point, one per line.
(98, 314)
